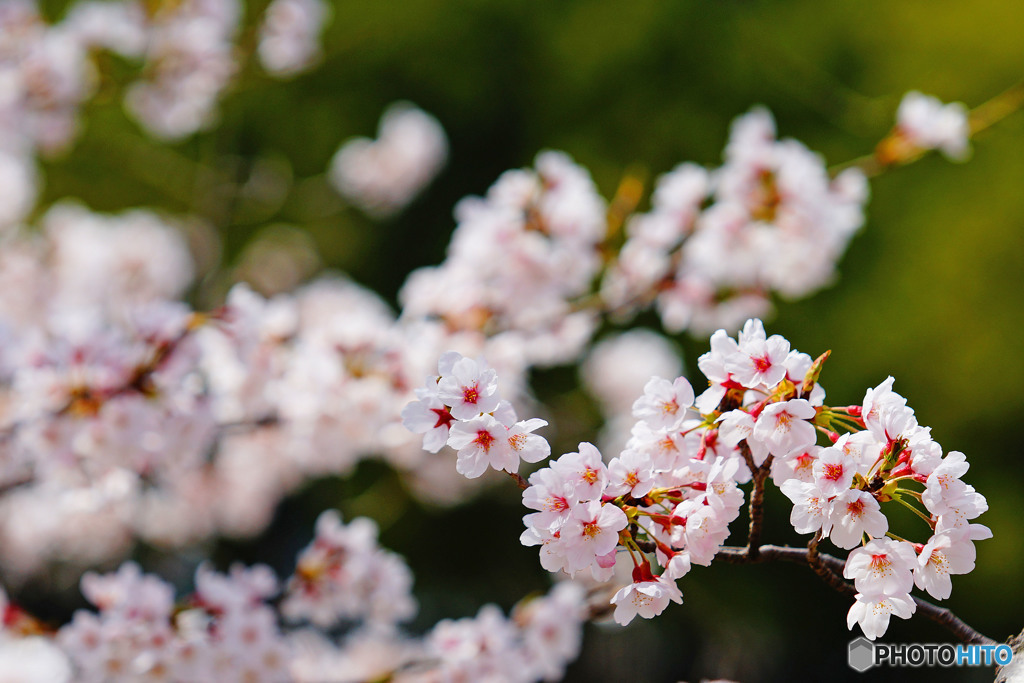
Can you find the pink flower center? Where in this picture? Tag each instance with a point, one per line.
(484, 439)
(833, 472)
(471, 394)
(444, 418)
(558, 503)
(803, 462)
(761, 363)
(880, 563)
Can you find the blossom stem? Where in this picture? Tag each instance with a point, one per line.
(520, 482)
(996, 109)
(913, 509)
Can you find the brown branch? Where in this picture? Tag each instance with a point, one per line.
(249, 424)
(833, 577)
(520, 482)
(834, 566)
(756, 508)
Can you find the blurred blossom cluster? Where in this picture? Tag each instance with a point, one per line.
(185, 56)
(382, 176)
(517, 259)
(717, 244)
(230, 629)
(289, 35)
(925, 123)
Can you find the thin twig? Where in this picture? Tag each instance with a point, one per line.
(980, 118)
(996, 109)
(520, 482)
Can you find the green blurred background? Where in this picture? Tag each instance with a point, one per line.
(928, 292)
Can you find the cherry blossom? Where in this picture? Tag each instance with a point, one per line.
(927, 123)
(647, 596)
(946, 553)
(852, 514)
(882, 567)
(481, 443)
(470, 389)
(872, 612)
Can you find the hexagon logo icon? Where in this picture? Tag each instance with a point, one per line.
(861, 655)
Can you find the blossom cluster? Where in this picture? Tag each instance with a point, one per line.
(460, 407)
(924, 123)
(674, 489)
(185, 54)
(669, 487)
(230, 629)
(382, 176)
(289, 35)
(127, 414)
(224, 630)
(536, 643)
(518, 260)
(717, 244)
(344, 576)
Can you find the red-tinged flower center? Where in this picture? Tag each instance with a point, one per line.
(471, 394)
(484, 439)
(591, 529)
(444, 418)
(590, 475)
(632, 479)
(833, 471)
(880, 563)
(517, 441)
(761, 363)
(856, 508)
(557, 503)
(803, 462)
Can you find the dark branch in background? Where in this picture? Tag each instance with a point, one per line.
(833, 567)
